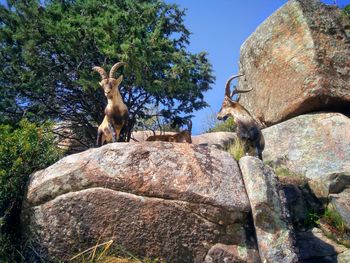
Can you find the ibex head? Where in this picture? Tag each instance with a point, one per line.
(230, 107)
(108, 83)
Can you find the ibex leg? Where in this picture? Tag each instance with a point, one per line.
(113, 132)
(99, 138)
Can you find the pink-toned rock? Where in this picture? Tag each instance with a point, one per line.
(274, 236)
(219, 139)
(315, 146)
(297, 61)
(69, 139)
(156, 199)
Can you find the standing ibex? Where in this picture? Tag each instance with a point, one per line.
(116, 112)
(247, 128)
(183, 136)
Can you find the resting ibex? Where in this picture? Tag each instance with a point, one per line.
(183, 136)
(116, 112)
(247, 128)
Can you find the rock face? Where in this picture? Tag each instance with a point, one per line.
(156, 199)
(341, 202)
(231, 254)
(69, 139)
(315, 146)
(300, 201)
(315, 247)
(297, 61)
(219, 139)
(275, 240)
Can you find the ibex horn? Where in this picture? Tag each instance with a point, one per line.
(189, 126)
(101, 71)
(115, 67)
(228, 82)
(236, 91)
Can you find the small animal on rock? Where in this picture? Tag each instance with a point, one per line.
(183, 136)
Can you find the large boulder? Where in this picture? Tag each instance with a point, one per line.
(221, 140)
(315, 146)
(297, 61)
(274, 236)
(167, 200)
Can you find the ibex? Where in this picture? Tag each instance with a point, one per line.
(183, 136)
(248, 130)
(116, 112)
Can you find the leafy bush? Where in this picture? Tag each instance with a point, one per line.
(334, 219)
(23, 150)
(346, 11)
(227, 126)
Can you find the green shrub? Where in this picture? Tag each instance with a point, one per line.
(23, 150)
(312, 219)
(334, 219)
(346, 11)
(227, 126)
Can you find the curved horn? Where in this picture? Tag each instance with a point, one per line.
(101, 71)
(228, 82)
(115, 67)
(236, 91)
(189, 126)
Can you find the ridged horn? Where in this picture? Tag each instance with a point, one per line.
(115, 67)
(228, 82)
(189, 126)
(237, 91)
(101, 71)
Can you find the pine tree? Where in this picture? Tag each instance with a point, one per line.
(48, 50)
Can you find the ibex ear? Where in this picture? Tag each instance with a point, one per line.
(119, 80)
(100, 83)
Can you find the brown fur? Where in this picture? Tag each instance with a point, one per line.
(248, 129)
(116, 112)
(183, 136)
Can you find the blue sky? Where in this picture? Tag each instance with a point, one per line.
(220, 27)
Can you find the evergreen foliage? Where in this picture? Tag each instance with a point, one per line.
(23, 150)
(48, 49)
(224, 126)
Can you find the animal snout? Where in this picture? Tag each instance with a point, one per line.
(222, 118)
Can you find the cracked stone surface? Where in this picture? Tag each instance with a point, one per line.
(315, 146)
(166, 200)
(220, 140)
(274, 236)
(297, 61)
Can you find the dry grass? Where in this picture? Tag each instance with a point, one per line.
(237, 149)
(103, 253)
